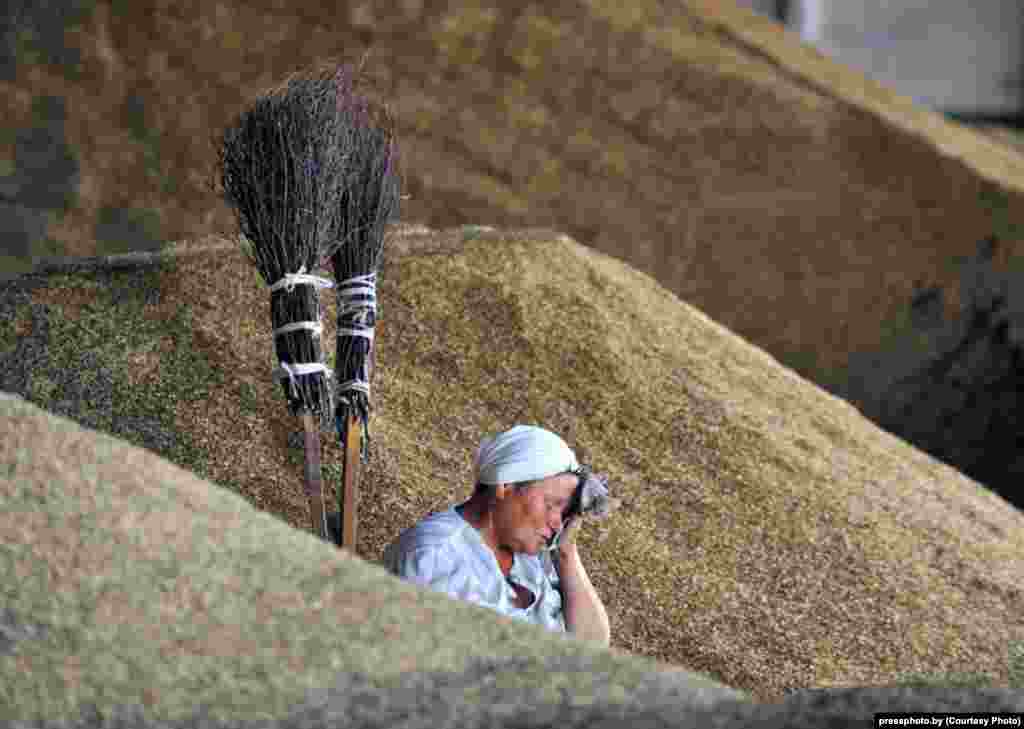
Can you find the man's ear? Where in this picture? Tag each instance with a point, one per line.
(500, 491)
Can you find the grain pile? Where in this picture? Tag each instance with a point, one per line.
(769, 535)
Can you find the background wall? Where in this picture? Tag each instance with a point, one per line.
(960, 58)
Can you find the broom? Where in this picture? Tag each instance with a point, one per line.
(367, 205)
(284, 164)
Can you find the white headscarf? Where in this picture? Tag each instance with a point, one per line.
(523, 453)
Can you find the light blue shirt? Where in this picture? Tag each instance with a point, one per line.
(446, 553)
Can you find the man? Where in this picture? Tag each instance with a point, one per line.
(494, 549)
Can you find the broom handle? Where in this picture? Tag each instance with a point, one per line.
(350, 483)
(314, 484)
(352, 471)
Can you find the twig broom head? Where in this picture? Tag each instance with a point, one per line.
(285, 164)
(366, 207)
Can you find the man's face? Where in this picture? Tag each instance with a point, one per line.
(526, 521)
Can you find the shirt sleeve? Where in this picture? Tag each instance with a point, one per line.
(440, 568)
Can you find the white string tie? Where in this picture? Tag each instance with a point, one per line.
(358, 296)
(290, 280)
(291, 371)
(314, 326)
(358, 385)
(365, 333)
(357, 306)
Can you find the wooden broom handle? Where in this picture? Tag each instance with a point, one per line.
(350, 483)
(353, 469)
(314, 483)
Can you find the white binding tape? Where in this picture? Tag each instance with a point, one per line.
(368, 282)
(314, 326)
(366, 333)
(290, 280)
(291, 371)
(354, 385)
(358, 286)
